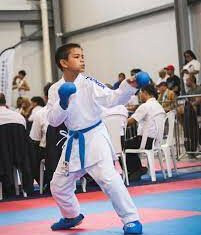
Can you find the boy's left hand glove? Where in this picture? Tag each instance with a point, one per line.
(65, 91)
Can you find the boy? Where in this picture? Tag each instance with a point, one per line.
(77, 101)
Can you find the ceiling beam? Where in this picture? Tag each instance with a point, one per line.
(26, 16)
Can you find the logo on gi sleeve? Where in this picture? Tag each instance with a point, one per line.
(100, 84)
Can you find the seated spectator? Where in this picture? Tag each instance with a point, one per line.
(37, 103)
(8, 115)
(133, 72)
(162, 76)
(144, 114)
(38, 135)
(193, 88)
(19, 104)
(121, 77)
(25, 107)
(13, 149)
(173, 81)
(166, 97)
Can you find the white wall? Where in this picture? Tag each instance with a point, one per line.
(28, 56)
(195, 16)
(148, 43)
(81, 13)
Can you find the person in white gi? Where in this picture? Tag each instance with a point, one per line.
(77, 101)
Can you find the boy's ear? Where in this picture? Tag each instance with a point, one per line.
(64, 63)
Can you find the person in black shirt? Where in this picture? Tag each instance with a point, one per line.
(173, 81)
(121, 77)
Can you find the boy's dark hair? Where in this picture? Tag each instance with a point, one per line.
(151, 90)
(2, 99)
(63, 52)
(22, 72)
(46, 88)
(38, 100)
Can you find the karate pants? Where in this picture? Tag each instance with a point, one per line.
(109, 180)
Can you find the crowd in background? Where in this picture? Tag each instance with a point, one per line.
(32, 113)
(170, 85)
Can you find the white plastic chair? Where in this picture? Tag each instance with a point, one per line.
(114, 124)
(169, 147)
(18, 180)
(17, 175)
(1, 193)
(156, 149)
(42, 170)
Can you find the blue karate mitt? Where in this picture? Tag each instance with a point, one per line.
(65, 91)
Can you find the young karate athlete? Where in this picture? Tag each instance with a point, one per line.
(76, 100)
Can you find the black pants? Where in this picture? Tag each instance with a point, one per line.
(132, 159)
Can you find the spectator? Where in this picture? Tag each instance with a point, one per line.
(25, 108)
(9, 116)
(40, 123)
(19, 104)
(38, 135)
(20, 83)
(121, 77)
(166, 97)
(192, 66)
(162, 76)
(173, 81)
(134, 71)
(13, 149)
(193, 88)
(37, 103)
(144, 114)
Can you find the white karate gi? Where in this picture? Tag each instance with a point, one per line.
(84, 110)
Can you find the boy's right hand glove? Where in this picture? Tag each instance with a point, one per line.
(65, 91)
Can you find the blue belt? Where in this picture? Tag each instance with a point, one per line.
(78, 135)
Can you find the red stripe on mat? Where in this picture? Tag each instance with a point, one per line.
(95, 222)
(95, 196)
(180, 164)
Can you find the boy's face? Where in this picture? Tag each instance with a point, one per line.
(75, 61)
